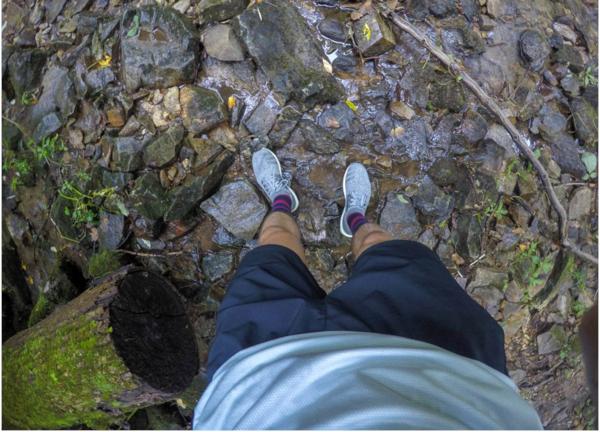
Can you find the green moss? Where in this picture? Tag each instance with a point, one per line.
(40, 311)
(62, 377)
(103, 263)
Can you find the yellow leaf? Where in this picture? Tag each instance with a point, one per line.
(351, 105)
(327, 66)
(397, 131)
(231, 102)
(105, 62)
(366, 31)
(522, 247)
(29, 280)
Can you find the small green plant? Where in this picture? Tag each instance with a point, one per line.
(578, 308)
(19, 167)
(529, 257)
(588, 77)
(103, 263)
(41, 310)
(494, 210)
(28, 98)
(135, 26)
(49, 146)
(84, 206)
(590, 161)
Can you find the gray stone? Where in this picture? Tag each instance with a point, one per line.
(97, 79)
(333, 29)
(345, 64)
(581, 203)
(517, 376)
(280, 42)
(372, 35)
(500, 136)
(116, 179)
(534, 49)
(569, 55)
(202, 108)
(217, 265)
(126, 153)
(25, 69)
(468, 234)
(182, 199)
(148, 196)
(565, 153)
(110, 230)
(487, 277)
(570, 85)
(444, 172)
(263, 117)
(485, 287)
(223, 238)
(48, 125)
(401, 110)
(238, 208)
(164, 149)
(514, 292)
(221, 43)
(341, 121)
(220, 10)
(489, 298)
(399, 218)
(163, 52)
(585, 118)
(472, 129)
(447, 93)
(551, 341)
(206, 149)
(318, 139)
(284, 125)
(432, 202)
(565, 31)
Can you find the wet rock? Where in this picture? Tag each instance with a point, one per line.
(148, 197)
(25, 70)
(220, 10)
(585, 120)
(565, 153)
(345, 63)
(284, 125)
(459, 38)
(221, 43)
(238, 208)
(340, 120)
(472, 129)
(98, 79)
(444, 172)
(318, 139)
(333, 29)
(126, 153)
(399, 218)
(182, 199)
(164, 149)
(372, 35)
(570, 85)
(206, 149)
(110, 230)
(581, 203)
(163, 51)
(552, 340)
(263, 117)
(534, 49)
(432, 202)
(281, 43)
(400, 110)
(447, 93)
(412, 139)
(58, 97)
(217, 265)
(202, 108)
(468, 235)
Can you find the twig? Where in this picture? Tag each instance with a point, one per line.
(491, 104)
(147, 254)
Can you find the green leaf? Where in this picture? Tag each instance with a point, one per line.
(537, 153)
(401, 198)
(351, 105)
(590, 161)
(134, 27)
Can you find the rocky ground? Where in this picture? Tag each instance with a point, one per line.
(128, 129)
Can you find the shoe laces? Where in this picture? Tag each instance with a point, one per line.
(356, 200)
(278, 183)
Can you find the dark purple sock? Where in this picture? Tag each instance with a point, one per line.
(355, 221)
(282, 203)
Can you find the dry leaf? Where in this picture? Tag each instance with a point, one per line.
(231, 102)
(332, 123)
(327, 66)
(397, 131)
(351, 105)
(105, 61)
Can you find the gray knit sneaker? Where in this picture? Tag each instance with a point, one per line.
(357, 193)
(269, 176)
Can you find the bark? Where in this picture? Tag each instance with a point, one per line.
(122, 345)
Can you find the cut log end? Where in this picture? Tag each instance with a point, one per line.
(151, 332)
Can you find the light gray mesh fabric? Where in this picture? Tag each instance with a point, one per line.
(355, 380)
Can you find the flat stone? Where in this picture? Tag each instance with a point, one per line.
(534, 49)
(400, 110)
(551, 341)
(206, 149)
(284, 125)
(372, 35)
(432, 202)
(565, 153)
(500, 136)
(126, 153)
(570, 85)
(182, 199)
(220, 42)
(110, 230)
(163, 52)
(565, 31)
(399, 217)
(318, 139)
(487, 277)
(581, 203)
(569, 55)
(98, 79)
(280, 42)
(447, 93)
(217, 265)
(202, 108)
(148, 196)
(333, 29)
(585, 118)
(164, 149)
(238, 208)
(48, 125)
(468, 235)
(263, 117)
(220, 10)
(25, 69)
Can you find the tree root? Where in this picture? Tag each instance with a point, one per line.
(457, 69)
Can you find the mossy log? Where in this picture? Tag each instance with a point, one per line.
(124, 344)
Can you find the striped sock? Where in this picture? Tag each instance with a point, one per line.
(355, 221)
(282, 203)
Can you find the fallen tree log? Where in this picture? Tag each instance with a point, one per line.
(459, 71)
(122, 345)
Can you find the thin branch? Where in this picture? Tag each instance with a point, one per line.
(457, 69)
(147, 254)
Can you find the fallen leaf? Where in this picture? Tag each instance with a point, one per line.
(104, 62)
(522, 247)
(332, 123)
(231, 102)
(351, 105)
(134, 27)
(401, 198)
(397, 131)
(366, 30)
(327, 66)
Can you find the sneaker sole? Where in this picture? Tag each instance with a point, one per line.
(344, 233)
(295, 200)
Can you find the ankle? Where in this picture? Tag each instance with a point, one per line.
(282, 202)
(355, 220)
